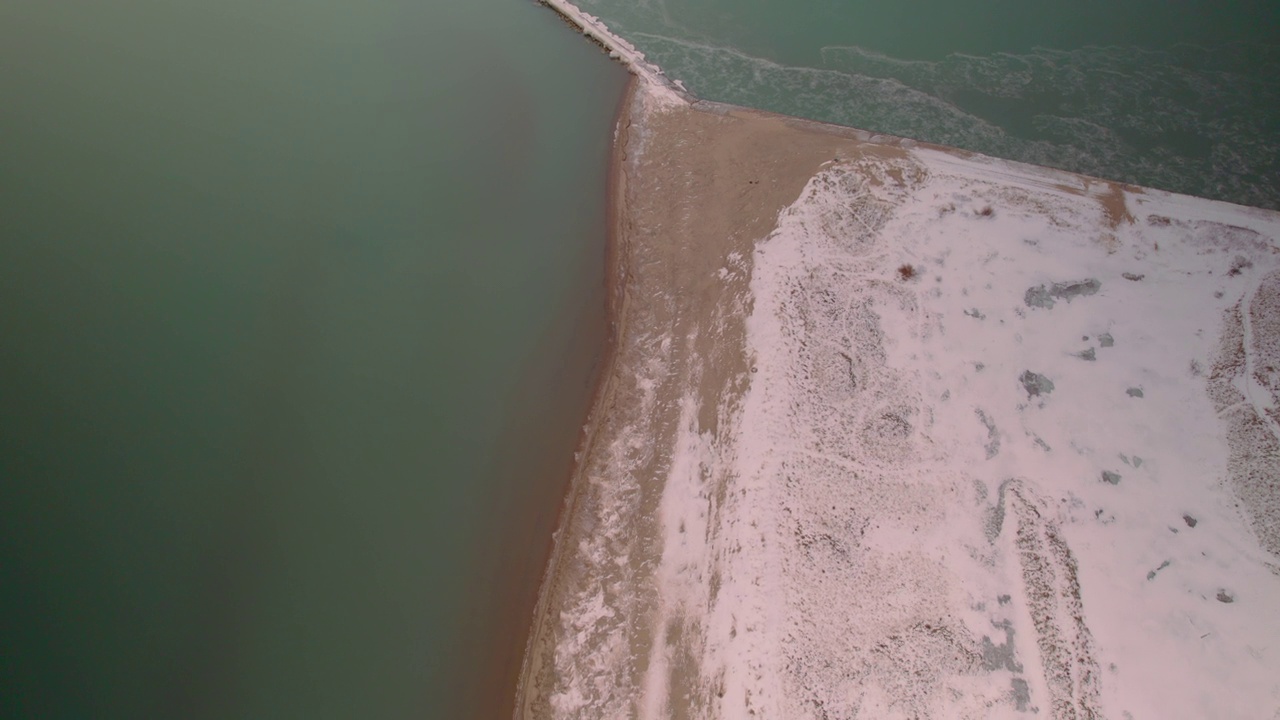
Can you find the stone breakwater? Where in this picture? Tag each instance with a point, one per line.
(619, 49)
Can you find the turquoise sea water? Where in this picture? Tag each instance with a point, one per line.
(1183, 96)
(299, 304)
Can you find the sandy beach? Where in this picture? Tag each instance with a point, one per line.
(679, 181)
(891, 431)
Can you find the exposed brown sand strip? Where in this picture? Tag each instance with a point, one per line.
(695, 188)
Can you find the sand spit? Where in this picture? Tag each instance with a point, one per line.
(898, 432)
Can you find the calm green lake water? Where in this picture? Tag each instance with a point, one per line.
(299, 303)
(1182, 95)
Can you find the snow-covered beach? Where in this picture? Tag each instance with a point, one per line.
(895, 431)
(1011, 446)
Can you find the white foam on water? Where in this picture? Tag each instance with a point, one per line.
(1190, 118)
(1193, 120)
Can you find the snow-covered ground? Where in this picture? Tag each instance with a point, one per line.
(1010, 449)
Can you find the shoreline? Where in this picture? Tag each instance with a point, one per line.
(615, 320)
(541, 440)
